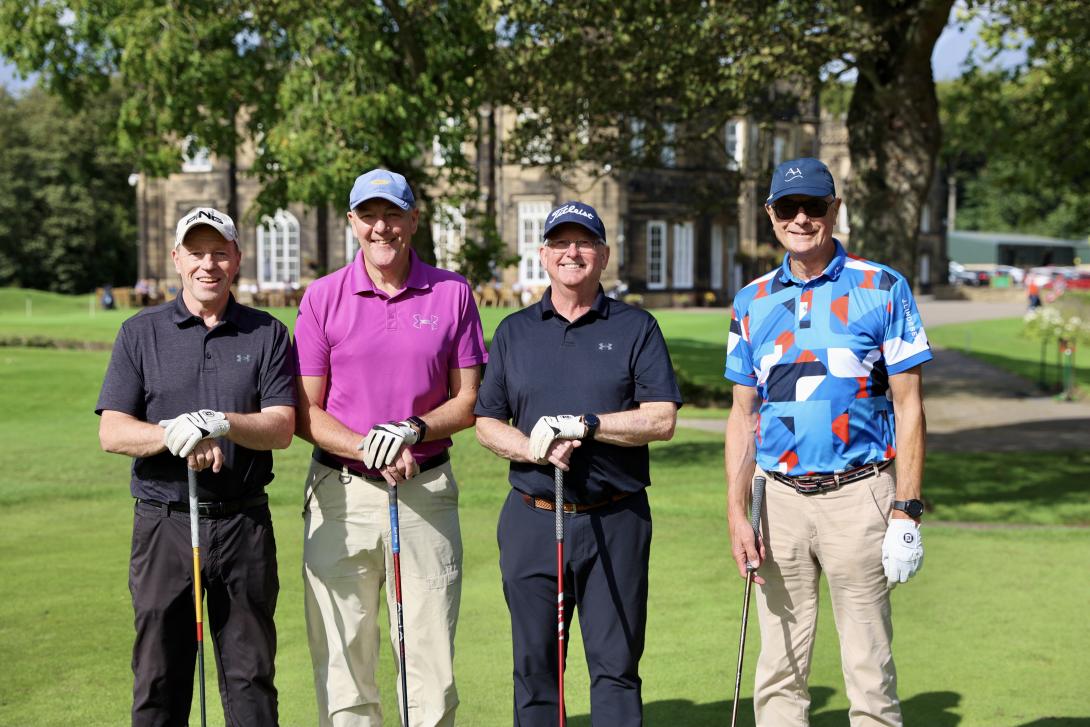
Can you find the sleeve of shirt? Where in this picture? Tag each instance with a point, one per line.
(739, 368)
(311, 350)
(653, 371)
(278, 377)
(468, 349)
(904, 341)
(492, 398)
(123, 385)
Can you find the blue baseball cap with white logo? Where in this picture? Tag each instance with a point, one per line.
(805, 176)
(578, 213)
(384, 184)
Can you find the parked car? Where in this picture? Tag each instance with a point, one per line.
(1017, 275)
(958, 275)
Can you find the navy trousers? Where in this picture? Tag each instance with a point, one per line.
(238, 574)
(605, 579)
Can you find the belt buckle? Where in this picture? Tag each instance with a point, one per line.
(209, 509)
(570, 507)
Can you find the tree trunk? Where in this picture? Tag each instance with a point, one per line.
(894, 133)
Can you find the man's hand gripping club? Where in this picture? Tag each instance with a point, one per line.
(192, 436)
(548, 430)
(386, 448)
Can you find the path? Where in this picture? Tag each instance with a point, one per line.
(975, 407)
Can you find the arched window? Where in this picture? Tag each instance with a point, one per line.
(278, 251)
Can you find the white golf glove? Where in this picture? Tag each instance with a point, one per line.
(549, 428)
(183, 432)
(902, 550)
(384, 441)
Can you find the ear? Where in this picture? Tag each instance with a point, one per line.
(415, 217)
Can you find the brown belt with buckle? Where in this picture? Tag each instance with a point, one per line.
(811, 484)
(542, 504)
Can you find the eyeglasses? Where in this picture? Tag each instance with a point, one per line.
(786, 209)
(563, 245)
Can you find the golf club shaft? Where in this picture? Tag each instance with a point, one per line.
(755, 522)
(198, 597)
(395, 549)
(558, 510)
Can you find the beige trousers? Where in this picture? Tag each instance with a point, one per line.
(346, 560)
(838, 533)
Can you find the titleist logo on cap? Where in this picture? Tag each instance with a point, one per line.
(570, 209)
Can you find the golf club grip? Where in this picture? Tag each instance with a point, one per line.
(757, 504)
(395, 526)
(558, 509)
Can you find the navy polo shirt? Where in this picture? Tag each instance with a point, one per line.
(165, 363)
(610, 359)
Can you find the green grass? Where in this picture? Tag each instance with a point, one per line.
(1002, 343)
(986, 636)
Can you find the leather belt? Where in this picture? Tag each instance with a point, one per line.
(542, 504)
(211, 509)
(325, 458)
(811, 484)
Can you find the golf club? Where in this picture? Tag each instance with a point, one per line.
(395, 549)
(755, 520)
(198, 598)
(558, 480)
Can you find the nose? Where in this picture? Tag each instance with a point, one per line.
(379, 226)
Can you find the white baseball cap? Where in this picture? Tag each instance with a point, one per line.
(218, 221)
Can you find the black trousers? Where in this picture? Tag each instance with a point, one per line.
(238, 574)
(605, 559)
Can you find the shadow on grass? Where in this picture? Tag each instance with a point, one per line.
(683, 713)
(1058, 722)
(1042, 436)
(931, 709)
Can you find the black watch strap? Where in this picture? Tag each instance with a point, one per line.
(913, 508)
(420, 425)
(592, 422)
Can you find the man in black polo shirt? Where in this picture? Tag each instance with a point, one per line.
(205, 381)
(586, 382)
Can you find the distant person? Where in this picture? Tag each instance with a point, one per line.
(219, 376)
(825, 353)
(582, 382)
(1033, 292)
(108, 302)
(390, 352)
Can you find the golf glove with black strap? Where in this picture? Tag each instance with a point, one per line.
(550, 428)
(183, 432)
(902, 550)
(384, 441)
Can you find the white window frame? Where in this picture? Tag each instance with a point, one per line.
(351, 244)
(656, 255)
(196, 161)
(448, 232)
(716, 281)
(683, 255)
(668, 153)
(734, 141)
(779, 148)
(278, 251)
(532, 215)
(925, 218)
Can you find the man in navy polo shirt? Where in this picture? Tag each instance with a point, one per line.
(206, 382)
(585, 382)
(825, 354)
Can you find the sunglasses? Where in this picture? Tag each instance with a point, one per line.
(786, 209)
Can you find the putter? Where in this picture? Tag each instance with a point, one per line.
(395, 549)
(755, 520)
(558, 509)
(198, 599)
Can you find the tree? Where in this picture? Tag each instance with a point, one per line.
(610, 83)
(67, 212)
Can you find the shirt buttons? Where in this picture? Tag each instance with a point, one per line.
(208, 355)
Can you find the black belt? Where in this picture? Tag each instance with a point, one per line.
(325, 458)
(542, 504)
(210, 509)
(811, 484)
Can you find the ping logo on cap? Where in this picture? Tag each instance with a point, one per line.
(792, 174)
(206, 214)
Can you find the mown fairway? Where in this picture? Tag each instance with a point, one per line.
(992, 634)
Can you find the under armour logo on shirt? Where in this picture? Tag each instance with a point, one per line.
(792, 174)
(605, 346)
(431, 322)
(242, 358)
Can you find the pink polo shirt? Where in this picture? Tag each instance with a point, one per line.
(388, 358)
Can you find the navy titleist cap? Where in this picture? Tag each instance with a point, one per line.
(578, 213)
(381, 183)
(807, 176)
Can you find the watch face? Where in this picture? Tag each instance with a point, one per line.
(914, 508)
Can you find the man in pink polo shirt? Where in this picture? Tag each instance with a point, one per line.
(389, 352)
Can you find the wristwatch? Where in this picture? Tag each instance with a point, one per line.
(913, 508)
(592, 422)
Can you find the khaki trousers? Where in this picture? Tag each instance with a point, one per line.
(838, 533)
(346, 560)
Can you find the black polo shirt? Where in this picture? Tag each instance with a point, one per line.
(165, 363)
(611, 359)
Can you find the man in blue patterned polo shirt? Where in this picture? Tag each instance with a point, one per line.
(825, 354)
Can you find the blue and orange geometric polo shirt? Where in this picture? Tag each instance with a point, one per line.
(820, 354)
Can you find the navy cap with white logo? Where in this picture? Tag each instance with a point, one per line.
(806, 176)
(578, 213)
(215, 219)
(383, 184)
